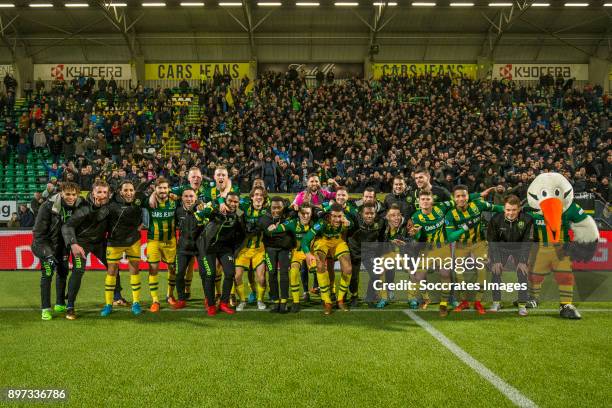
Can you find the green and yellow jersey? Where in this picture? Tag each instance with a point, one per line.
(432, 225)
(294, 226)
(161, 220)
(212, 193)
(204, 214)
(574, 213)
(323, 229)
(200, 192)
(455, 219)
(251, 218)
(350, 209)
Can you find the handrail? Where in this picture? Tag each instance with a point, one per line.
(164, 149)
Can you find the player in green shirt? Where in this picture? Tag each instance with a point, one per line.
(161, 239)
(298, 227)
(327, 236)
(252, 253)
(464, 227)
(195, 183)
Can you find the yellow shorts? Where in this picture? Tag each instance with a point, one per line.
(547, 260)
(434, 258)
(298, 256)
(115, 254)
(477, 250)
(161, 250)
(332, 247)
(250, 257)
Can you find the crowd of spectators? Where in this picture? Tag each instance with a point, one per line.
(359, 132)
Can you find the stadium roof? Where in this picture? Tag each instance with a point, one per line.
(135, 28)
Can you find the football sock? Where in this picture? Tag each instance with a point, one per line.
(135, 282)
(343, 285)
(261, 290)
(294, 282)
(154, 287)
(171, 284)
(109, 288)
(323, 278)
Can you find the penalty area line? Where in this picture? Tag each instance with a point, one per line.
(509, 391)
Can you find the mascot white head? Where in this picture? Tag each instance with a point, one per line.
(552, 194)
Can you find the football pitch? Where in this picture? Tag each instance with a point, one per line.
(363, 358)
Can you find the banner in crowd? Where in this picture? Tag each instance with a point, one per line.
(195, 70)
(533, 72)
(433, 69)
(6, 69)
(15, 253)
(67, 72)
(6, 209)
(341, 71)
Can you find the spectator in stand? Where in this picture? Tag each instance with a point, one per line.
(25, 216)
(53, 172)
(23, 149)
(40, 140)
(13, 222)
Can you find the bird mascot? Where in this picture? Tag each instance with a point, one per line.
(551, 201)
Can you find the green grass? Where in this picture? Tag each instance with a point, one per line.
(364, 358)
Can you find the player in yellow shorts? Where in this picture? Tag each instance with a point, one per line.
(252, 253)
(161, 240)
(124, 219)
(115, 254)
(329, 242)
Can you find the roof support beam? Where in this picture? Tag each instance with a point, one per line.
(503, 21)
(249, 25)
(555, 36)
(4, 25)
(376, 25)
(120, 20)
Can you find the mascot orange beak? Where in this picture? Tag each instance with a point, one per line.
(552, 208)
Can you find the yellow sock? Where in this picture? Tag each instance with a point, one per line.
(240, 291)
(109, 288)
(135, 282)
(566, 294)
(294, 282)
(412, 293)
(323, 278)
(171, 284)
(283, 300)
(154, 287)
(261, 290)
(343, 285)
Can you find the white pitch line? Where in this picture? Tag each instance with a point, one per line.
(509, 391)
